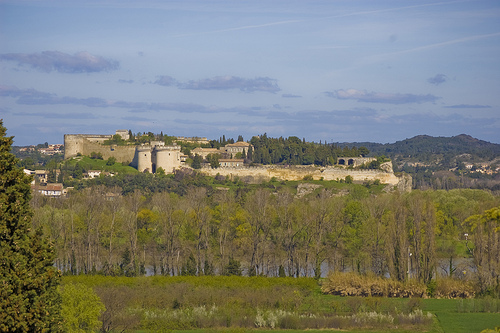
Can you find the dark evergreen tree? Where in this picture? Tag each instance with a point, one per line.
(249, 153)
(29, 301)
(189, 269)
(233, 267)
(196, 162)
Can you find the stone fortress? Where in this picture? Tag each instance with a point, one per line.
(145, 158)
(150, 157)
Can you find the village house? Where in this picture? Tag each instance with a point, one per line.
(229, 151)
(234, 148)
(91, 174)
(49, 189)
(204, 152)
(231, 162)
(40, 176)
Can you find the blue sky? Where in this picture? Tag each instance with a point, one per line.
(341, 71)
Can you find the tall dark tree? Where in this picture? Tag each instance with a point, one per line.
(29, 301)
(196, 162)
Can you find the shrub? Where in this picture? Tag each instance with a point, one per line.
(81, 308)
(95, 156)
(111, 161)
(352, 284)
(452, 288)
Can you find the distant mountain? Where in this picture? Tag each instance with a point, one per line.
(442, 162)
(421, 146)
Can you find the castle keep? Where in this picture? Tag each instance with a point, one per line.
(144, 158)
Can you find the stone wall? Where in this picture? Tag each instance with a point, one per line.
(299, 172)
(87, 144)
(354, 161)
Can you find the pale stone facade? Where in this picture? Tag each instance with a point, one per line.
(231, 162)
(354, 161)
(204, 152)
(150, 158)
(234, 148)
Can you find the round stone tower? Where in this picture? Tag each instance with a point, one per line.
(167, 157)
(144, 159)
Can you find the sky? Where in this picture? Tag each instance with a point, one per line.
(329, 70)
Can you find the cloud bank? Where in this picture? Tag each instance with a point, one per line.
(376, 97)
(47, 61)
(35, 97)
(468, 106)
(264, 84)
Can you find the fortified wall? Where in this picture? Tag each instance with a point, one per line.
(145, 158)
(354, 161)
(264, 173)
(148, 158)
(87, 144)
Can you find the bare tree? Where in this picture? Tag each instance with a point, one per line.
(171, 218)
(484, 233)
(200, 216)
(259, 212)
(133, 203)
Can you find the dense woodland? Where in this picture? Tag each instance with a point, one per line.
(269, 231)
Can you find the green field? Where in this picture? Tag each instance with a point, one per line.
(232, 304)
(453, 321)
(97, 164)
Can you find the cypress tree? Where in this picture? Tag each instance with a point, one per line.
(29, 300)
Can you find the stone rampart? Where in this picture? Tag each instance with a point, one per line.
(87, 144)
(299, 172)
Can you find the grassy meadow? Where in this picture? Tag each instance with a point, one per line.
(240, 304)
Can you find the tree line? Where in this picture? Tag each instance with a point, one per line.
(273, 233)
(293, 151)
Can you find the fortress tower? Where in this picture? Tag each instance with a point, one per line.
(143, 155)
(166, 157)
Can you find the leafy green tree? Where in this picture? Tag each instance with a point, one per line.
(95, 156)
(213, 159)
(484, 230)
(160, 172)
(363, 151)
(29, 301)
(81, 309)
(115, 140)
(111, 161)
